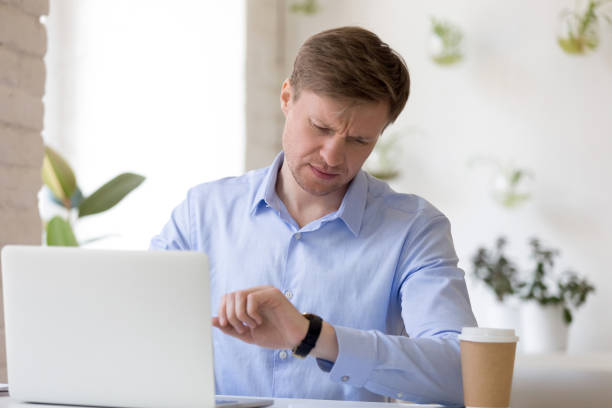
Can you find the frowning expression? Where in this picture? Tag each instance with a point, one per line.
(327, 140)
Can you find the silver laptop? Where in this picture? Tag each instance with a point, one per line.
(109, 328)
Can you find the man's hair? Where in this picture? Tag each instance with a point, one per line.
(352, 63)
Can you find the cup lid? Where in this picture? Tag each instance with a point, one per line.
(488, 335)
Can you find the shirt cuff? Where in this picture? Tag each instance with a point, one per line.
(356, 356)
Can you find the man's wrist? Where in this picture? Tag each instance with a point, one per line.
(327, 345)
(309, 342)
(303, 325)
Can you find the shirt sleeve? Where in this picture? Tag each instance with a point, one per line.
(423, 366)
(176, 233)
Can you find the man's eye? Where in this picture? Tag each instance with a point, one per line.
(320, 128)
(360, 141)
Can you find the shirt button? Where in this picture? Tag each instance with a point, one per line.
(282, 355)
(289, 294)
(298, 236)
(344, 378)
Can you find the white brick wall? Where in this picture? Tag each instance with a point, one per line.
(23, 43)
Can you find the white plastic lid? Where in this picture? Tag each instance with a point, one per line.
(488, 335)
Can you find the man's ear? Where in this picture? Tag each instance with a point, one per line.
(285, 96)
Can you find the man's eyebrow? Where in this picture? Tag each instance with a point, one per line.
(321, 123)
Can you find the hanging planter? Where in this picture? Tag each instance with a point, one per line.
(446, 42)
(510, 185)
(579, 31)
(383, 163)
(306, 7)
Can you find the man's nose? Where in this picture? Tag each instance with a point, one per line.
(332, 151)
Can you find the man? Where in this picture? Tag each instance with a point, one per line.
(313, 233)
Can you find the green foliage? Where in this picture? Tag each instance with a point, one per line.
(59, 178)
(451, 39)
(495, 269)
(568, 290)
(542, 285)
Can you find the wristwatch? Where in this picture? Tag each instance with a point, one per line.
(308, 343)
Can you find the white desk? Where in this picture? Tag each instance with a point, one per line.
(7, 402)
(543, 381)
(562, 381)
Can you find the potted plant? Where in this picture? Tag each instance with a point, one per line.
(63, 190)
(550, 300)
(499, 274)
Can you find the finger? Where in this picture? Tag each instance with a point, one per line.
(240, 300)
(230, 310)
(252, 307)
(221, 313)
(229, 330)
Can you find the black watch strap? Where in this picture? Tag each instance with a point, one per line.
(309, 342)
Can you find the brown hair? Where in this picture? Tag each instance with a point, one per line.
(352, 63)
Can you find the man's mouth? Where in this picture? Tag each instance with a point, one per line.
(323, 174)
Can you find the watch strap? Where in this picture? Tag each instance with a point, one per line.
(308, 343)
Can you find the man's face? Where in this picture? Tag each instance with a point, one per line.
(326, 140)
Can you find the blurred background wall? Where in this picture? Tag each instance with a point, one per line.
(186, 92)
(515, 98)
(23, 43)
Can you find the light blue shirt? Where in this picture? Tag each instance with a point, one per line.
(381, 269)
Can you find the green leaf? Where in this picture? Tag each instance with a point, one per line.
(59, 233)
(515, 177)
(110, 194)
(58, 176)
(567, 315)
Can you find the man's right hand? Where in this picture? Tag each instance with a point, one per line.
(261, 315)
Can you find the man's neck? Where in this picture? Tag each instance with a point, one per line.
(303, 206)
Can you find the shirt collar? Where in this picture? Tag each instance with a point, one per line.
(351, 209)
(353, 204)
(266, 192)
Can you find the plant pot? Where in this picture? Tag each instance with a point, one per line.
(505, 315)
(543, 329)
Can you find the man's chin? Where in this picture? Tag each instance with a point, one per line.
(319, 189)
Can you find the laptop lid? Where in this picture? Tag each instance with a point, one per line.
(108, 328)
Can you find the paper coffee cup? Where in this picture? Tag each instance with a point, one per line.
(487, 366)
